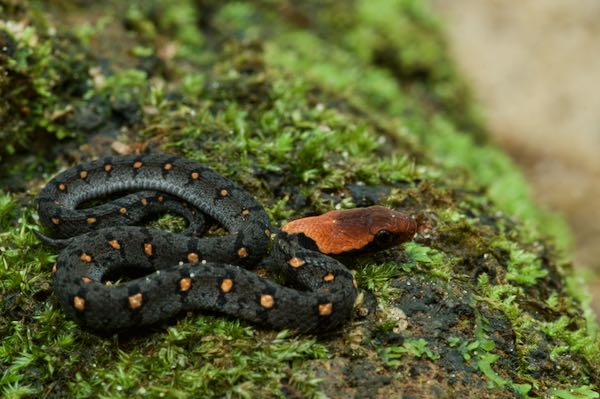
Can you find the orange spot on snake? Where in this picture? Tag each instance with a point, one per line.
(325, 309)
(62, 187)
(342, 231)
(193, 257)
(108, 167)
(195, 175)
(85, 258)
(296, 262)
(226, 285)
(55, 221)
(91, 220)
(78, 303)
(137, 164)
(148, 249)
(135, 301)
(242, 252)
(185, 284)
(328, 277)
(114, 244)
(122, 211)
(168, 166)
(267, 301)
(86, 280)
(83, 174)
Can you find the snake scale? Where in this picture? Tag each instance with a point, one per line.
(168, 272)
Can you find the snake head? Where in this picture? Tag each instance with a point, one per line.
(359, 229)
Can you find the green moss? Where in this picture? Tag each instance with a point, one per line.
(298, 103)
(583, 392)
(428, 260)
(175, 19)
(39, 73)
(392, 356)
(376, 278)
(524, 268)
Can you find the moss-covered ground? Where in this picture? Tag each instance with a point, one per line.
(310, 106)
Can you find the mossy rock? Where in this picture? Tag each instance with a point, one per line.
(309, 106)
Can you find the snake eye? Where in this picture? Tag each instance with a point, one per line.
(384, 237)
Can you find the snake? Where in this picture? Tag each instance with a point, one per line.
(115, 273)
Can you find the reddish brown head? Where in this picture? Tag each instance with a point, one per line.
(337, 232)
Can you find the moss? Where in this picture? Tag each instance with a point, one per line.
(392, 355)
(310, 107)
(40, 71)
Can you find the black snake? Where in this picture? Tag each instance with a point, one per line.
(170, 272)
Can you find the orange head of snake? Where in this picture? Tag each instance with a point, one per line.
(359, 229)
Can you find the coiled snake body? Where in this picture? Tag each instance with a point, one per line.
(175, 272)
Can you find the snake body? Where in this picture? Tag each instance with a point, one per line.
(169, 273)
